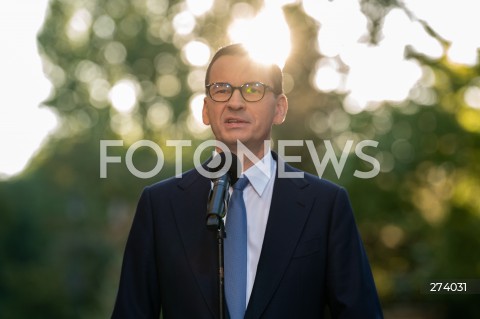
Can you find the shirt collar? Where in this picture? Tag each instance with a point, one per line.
(260, 174)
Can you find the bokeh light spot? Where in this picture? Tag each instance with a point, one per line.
(168, 85)
(318, 122)
(131, 25)
(157, 7)
(99, 89)
(199, 8)
(104, 27)
(196, 80)
(469, 118)
(184, 23)
(194, 120)
(472, 97)
(86, 71)
(115, 53)
(391, 235)
(159, 115)
(123, 95)
(165, 63)
(387, 161)
(127, 127)
(326, 78)
(197, 53)
(403, 151)
(78, 26)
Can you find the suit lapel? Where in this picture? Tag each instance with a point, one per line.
(189, 204)
(288, 213)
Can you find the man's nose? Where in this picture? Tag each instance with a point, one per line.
(236, 100)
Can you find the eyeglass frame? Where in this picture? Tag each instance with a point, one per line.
(265, 86)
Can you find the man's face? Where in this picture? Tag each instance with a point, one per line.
(237, 119)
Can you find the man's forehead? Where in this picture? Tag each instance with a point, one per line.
(238, 67)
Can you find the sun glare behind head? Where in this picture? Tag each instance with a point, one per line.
(266, 36)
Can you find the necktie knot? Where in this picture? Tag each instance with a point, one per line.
(241, 183)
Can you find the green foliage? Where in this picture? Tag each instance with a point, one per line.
(63, 228)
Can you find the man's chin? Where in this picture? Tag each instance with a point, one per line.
(233, 143)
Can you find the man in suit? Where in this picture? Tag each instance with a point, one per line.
(304, 252)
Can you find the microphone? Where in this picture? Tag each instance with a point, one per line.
(219, 194)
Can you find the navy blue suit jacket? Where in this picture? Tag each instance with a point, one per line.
(312, 255)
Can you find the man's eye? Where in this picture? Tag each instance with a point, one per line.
(251, 90)
(221, 91)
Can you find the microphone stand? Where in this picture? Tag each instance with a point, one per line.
(221, 284)
(216, 209)
(215, 222)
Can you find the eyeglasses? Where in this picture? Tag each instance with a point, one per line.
(251, 91)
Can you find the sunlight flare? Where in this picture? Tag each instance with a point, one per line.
(266, 36)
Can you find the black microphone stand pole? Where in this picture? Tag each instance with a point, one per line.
(221, 284)
(215, 222)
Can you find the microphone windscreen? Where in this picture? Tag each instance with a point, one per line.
(224, 163)
(217, 164)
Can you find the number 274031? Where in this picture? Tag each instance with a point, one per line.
(448, 287)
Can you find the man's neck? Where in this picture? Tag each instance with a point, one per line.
(258, 155)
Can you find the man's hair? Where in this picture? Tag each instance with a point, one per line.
(239, 50)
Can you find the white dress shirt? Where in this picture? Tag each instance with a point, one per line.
(257, 196)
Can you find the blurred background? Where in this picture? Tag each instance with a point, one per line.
(403, 73)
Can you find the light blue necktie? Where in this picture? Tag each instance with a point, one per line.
(236, 252)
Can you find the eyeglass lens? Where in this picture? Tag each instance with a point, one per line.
(251, 92)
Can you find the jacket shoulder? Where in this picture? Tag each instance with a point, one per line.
(170, 183)
(314, 182)
(318, 182)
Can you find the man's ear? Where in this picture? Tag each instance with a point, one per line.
(281, 109)
(205, 118)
